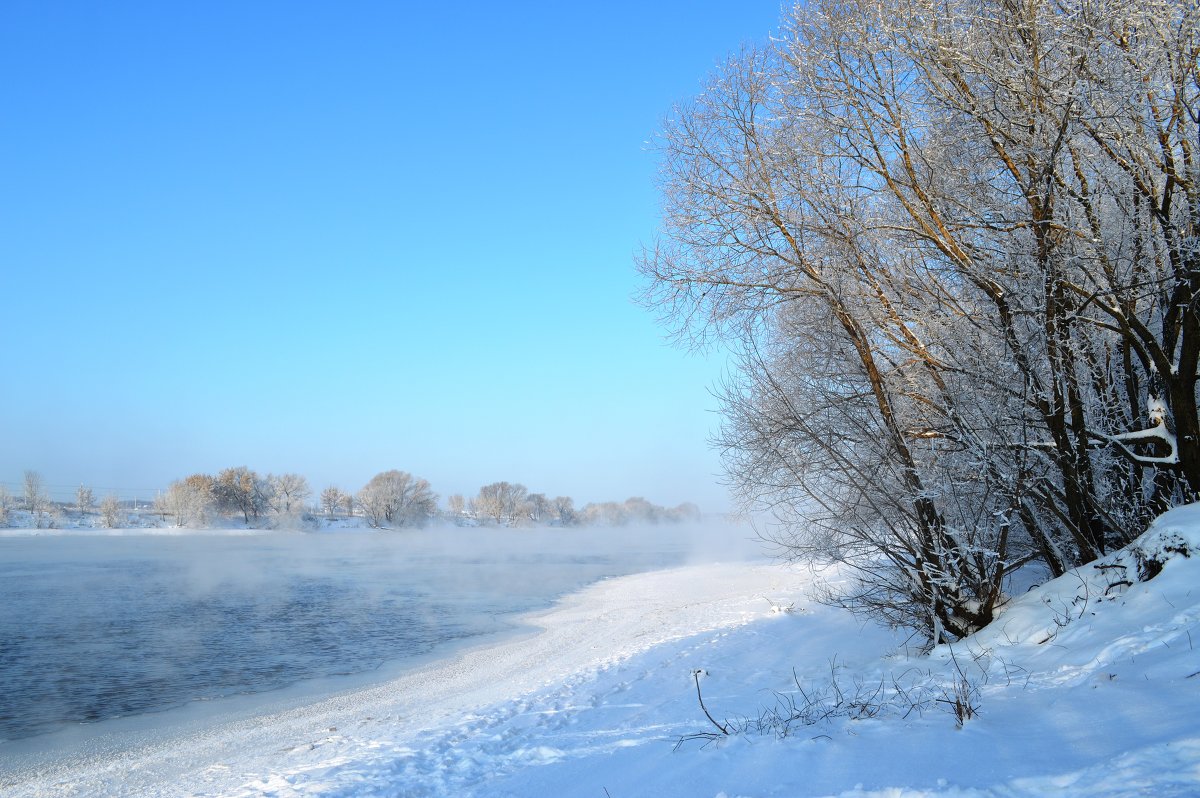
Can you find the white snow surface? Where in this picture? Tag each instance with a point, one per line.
(1086, 686)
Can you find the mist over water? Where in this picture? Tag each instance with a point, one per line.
(99, 627)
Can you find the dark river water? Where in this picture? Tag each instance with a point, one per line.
(100, 627)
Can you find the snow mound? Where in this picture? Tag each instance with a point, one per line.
(1173, 535)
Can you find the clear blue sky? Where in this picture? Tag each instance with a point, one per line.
(338, 238)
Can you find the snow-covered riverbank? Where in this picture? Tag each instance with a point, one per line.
(420, 721)
(1095, 695)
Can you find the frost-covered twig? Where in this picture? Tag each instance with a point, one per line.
(696, 675)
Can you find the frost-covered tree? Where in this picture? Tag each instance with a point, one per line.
(604, 514)
(634, 510)
(189, 501)
(397, 497)
(242, 490)
(110, 512)
(954, 248)
(687, 511)
(564, 511)
(287, 492)
(486, 505)
(34, 492)
(538, 507)
(84, 499)
(501, 503)
(331, 499)
(638, 508)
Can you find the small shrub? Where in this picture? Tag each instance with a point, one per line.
(962, 700)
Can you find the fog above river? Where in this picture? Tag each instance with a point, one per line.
(95, 627)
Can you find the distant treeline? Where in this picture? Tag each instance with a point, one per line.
(390, 499)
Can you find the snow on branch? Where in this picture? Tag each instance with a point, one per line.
(1159, 432)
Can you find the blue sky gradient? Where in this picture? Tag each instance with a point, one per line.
(337, 238)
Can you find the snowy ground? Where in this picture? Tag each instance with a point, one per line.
(1085, 687)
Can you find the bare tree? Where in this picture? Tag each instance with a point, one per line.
(539, 507)
(518, 508)
(949, 242)
(110, 512)
(487, 504)
(397, 497)
(34, 492)
(84, 499)
(564, 511)
(639, 509)
(605, 514)
(455, 505)
(331, 500)
(501, 502)
(242, 490)
(189, 501)
(687, 511)
(288, 492)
